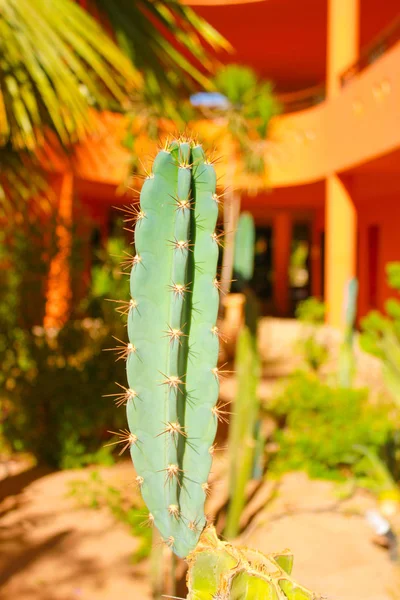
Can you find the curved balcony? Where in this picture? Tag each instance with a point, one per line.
(361, 123)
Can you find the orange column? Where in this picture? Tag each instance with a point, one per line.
(343, 40)
(315, 259)
(340, 248)
(340, 214)
(281, 256)
(59, 279)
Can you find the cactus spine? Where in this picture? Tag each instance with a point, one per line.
(173, 341)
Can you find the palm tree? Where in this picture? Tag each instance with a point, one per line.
(248, 107)
(58, 60)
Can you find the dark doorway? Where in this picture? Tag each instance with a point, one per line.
(262, 278)
(300, 266)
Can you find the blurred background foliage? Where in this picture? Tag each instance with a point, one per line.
(381, 334)
(320, 427)
(52, 380)
(113, 56)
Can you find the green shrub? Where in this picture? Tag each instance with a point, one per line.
(52, 382)
(381, 334)
(311, 311)
(95, 493)
(321, 426)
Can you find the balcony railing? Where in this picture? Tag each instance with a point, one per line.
(295, 101)
(381, 44)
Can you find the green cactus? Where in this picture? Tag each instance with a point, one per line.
(243, 425)
(243, 261)
(173, 378)
(245, 435)
(220, 571)
(173, 342)
(346, 354)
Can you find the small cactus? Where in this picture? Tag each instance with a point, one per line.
(243, 261)
(245, 435)
(346, 353)
(220, 571)
(381, 334)
(243, 426)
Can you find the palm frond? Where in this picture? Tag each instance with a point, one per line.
(55, 62)
(21, 179)
(165, 38)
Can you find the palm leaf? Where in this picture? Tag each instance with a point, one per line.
(55, 62)
(165, 38)
(21, 178)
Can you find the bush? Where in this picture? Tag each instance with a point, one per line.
(94, 492)
(381, 334)
(321, 427)
(311, 312)
(52, 381)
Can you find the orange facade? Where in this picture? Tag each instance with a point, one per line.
(334, 165)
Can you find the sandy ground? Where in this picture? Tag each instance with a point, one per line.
(331, 540)
(53, 549)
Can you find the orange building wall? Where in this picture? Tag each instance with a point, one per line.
(342, 139)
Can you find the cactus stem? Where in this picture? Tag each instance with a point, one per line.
(122, 398)
(172, 471)
(123, 351)
(173, 510)
(174, 429)
(191, 353)
(221, 414)
(180, 289)
(174, 335)
(125, 437)
(173, 381)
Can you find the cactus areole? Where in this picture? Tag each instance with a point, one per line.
(171, 398)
